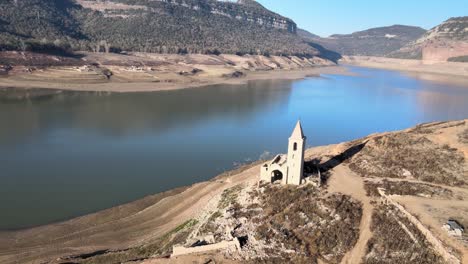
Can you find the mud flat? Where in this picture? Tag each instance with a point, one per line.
(443, 72)
(139, 72)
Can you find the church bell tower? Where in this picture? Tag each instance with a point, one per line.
(295, 161)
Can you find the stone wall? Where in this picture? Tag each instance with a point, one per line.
(436, 243)
(225, 245)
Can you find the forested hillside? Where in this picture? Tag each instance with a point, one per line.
(160, 26)
(372, 42)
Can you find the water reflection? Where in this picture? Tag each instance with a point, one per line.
(76, 153)
(139, 113)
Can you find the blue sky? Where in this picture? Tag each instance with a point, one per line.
(326, 17)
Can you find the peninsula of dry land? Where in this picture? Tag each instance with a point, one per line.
(384, 199)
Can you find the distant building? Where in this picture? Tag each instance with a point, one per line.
(289, 169)
(453, 228)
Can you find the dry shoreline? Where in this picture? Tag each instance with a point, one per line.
(126, 87)
(145, 72)
(151, 72)
(455, 73)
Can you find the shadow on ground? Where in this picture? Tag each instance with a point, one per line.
(314, 165)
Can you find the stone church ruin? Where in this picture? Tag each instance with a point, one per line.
(289, 168)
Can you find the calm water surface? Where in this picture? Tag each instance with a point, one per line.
(74, 154)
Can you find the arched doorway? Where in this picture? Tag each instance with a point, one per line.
(276, 175)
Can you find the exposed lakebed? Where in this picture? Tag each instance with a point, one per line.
(67, 154)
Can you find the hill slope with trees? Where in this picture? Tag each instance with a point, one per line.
(162, 26)
(372, 42)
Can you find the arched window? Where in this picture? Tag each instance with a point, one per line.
(295, 146)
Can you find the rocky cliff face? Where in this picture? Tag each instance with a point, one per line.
(244, 10)
(446, 41)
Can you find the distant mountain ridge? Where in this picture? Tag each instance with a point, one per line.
(379, 41)
(306, 34)
(447, 41)
(160, 26)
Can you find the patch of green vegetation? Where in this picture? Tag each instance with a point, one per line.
(189, 224)
(215, 216)
(160, 247)
(459, 59)
(210, 226)
(229, 196)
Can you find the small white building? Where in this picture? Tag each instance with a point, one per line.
(453, 228)
(289, 169)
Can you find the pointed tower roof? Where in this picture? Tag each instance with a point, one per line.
(297, 133)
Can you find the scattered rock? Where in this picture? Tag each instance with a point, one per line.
(236, 74)
(106, 72)
(406, 173)
(4, 69)
(190, 73)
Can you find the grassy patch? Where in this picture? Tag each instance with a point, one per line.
(160, 247)
(229, 196)
(407, 188)
(395, 155)
(210, 226)
(391, 243)
(458, 59)
(311, 226)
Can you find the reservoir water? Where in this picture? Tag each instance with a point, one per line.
(73, 154)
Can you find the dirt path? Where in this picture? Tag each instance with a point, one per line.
(343, 180)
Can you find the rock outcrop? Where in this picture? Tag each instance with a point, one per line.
(446, 41)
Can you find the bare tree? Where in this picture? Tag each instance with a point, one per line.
(23, 45)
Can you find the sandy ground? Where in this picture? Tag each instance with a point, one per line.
(177, 81)
(442, 72)
(157, 72)
(433, 213)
